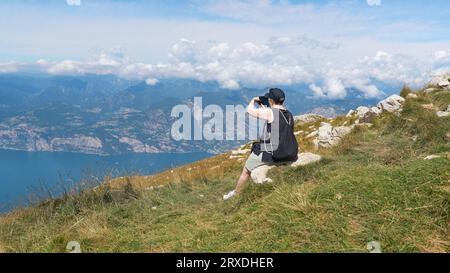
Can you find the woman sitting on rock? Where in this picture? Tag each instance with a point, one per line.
(277, 143)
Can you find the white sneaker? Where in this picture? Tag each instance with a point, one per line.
(229, 195)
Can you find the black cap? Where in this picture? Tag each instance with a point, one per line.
(276, 94)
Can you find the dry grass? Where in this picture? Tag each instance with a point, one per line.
(214, 167)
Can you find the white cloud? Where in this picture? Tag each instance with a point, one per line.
(441, 54)
(382, 56)
(317, 91)
(371, 91)
(9, 67)
(440, 64)
(42, 62)
(374, 2)
(360, 81)
(441, 58)
(335, 89)
(105, 60)
(112, 61)
(67, 67)
(252, 64)
(230, 84)
(263, 64)
(151, 81)
(248, 63)
(396, 68)
(73, 2)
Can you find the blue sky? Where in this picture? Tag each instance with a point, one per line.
(27, 24)
(208, 39)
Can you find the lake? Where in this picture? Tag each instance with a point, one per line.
(25, 173)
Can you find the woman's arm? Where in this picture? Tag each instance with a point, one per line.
(261, 113)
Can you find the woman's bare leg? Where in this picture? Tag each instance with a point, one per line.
(239, 185)
(242, 180)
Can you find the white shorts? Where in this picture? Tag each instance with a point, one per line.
(254, 161)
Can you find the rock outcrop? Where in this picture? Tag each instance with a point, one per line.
(444, 83)
(391, 104)
(412, 96)
(376, 110)
(240, 153)
(445, 113)
(350, 113)
(307, 118)
(306, 159)
(366, 114)
(73, 247)
(441, 81)
(259, 175)
(430, 106)
(431, 157)
(362, 111)
(329, 135)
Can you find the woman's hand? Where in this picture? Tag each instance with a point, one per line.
(255, 99)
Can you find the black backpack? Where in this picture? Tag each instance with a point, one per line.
(288, 147)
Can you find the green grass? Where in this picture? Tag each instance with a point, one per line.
(374, 186)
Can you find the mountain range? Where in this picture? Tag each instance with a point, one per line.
(105, 114)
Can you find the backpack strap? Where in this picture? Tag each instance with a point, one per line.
(288, 123)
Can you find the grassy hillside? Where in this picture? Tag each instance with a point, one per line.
(375, 185)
